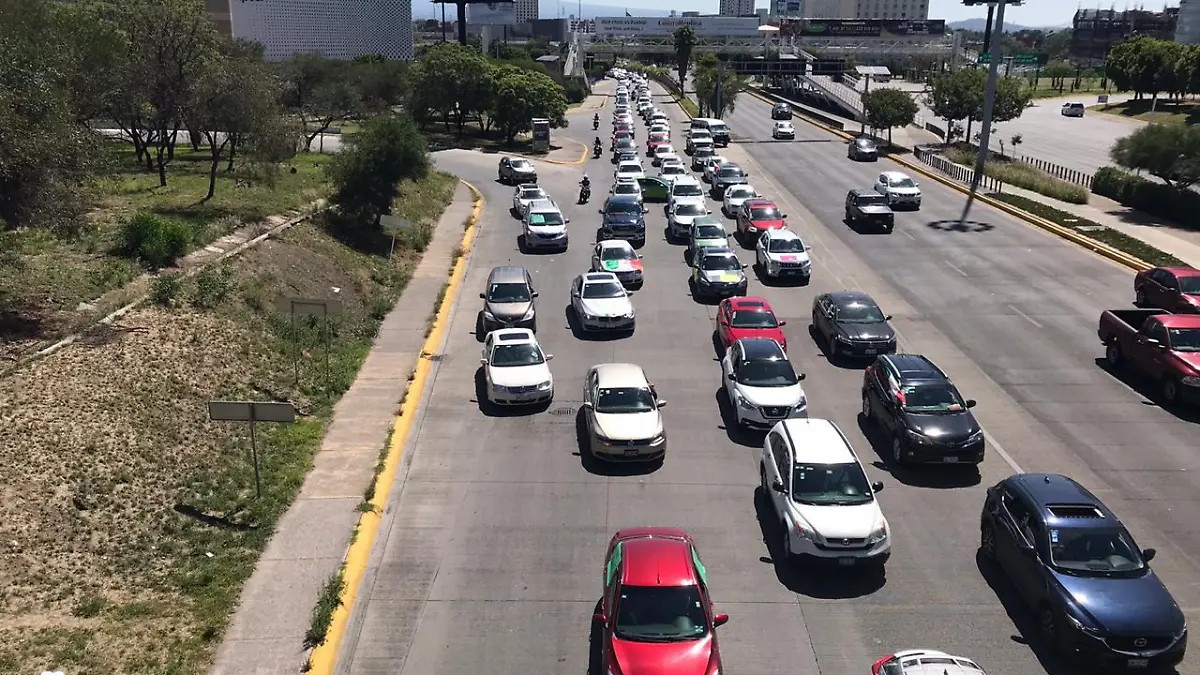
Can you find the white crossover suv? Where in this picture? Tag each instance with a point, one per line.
(761, 384)
(900, 189)
(782, 254)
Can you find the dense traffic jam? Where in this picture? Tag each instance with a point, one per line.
(1069, 557)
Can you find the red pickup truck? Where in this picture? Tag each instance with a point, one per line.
(1162, 346)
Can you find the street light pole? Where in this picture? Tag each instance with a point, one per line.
(985, 134)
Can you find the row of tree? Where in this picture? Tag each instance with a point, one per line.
(1147, 66)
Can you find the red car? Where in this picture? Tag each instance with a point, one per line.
(748, 317)
(1176, 289)
(656, 139)
(755, 216)
(656, 615)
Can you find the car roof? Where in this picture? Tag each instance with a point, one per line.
(543, 204)
(842, 298)
(1182, 271)
(657, 561)
(507, 274)
(1179, 320)
(894, 174)
(915, 368)
(818, 441)
(1050, 490)
(518, 160)
(614, 243)
(687, 180)
(528, 187)
(750, 303)
(514, 336)
(759, 203)
(782, 233)
(762, 349)
(598, 278)
(632, 199)
(620, 375)
(865, 193)
(932, 662)
(731, 165)
(719, 252)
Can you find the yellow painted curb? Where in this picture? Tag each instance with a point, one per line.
(583, 156)
(324, 656)
(1098, 247)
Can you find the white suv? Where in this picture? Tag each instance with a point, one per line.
(782, 254)
(817, 488)
(761, 384)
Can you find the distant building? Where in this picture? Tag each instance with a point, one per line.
(1097, 31)
(687, 14)
(737, 8)
(1187, 30)
(853, 9)
(526, 10)
(338, 30)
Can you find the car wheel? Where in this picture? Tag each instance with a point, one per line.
(987, 541)
(1048, 626)
(898, 450)
(1112, 354)
(866, 408)
(1171, 391)
(848, 218)
(1139, 298)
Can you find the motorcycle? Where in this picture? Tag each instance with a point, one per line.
(595, 124)
(585, 193)
(597, 151)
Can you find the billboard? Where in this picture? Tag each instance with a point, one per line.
(492, 13)
(832, 28)
(656, 26)
(786, 7)
(338, 30)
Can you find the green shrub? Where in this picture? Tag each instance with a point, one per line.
(575, 90)
(157, 242)
(1155, 198)
(1022, 175)
(165, 289)
(213, 285)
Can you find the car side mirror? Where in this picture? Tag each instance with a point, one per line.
(888, 317)
(877, 486)
(971, 403)
(744, 265)
(483, 296)
(783, 215)
(1149, 553)
(662, 403)
(566, 220)
(1153, 342)
(586, 405)
(549, 357)
(1028, 551)
(600, 619)
(778, 487)
(720, 620)
(534, 294)
(782, 324)
(600, 211)
(801, 376)
(640, 256)
(483, 362)
(645, 209)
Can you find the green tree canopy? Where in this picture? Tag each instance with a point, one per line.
(888, 107)
(685, 43)
(451, 80)
(960, 96)
(519, 95)
(717, 88)
(371, 167)
(1170, 152)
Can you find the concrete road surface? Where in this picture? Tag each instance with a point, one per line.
(489, 559)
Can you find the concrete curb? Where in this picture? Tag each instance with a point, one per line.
(583, 156)
(1097, 247)
(324, 657)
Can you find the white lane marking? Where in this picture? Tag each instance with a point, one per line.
(1025, 316)
(955, 268)
(905, 233)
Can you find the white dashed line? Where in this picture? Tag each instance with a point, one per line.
(955, 268)
(1025, 316)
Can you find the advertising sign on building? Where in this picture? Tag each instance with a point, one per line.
(832, 28)
(650, 26)
(492, 13)
(787, 7)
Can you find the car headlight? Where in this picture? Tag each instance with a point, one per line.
(704, 280)
(841, 338)
(488, 315)
(628, 315)
(528, 315)
(977, 436)
(745, 403)
(878, 535)
(1078, 625)
(1191, 381)
(802, 403)
(659, 439)
(500, 389)
(545, 386)
(918, 438)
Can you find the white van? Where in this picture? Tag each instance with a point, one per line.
(718, 129)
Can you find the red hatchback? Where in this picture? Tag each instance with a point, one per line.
(748, 317)
(656, 615)
(1175, 289)
(755, 216)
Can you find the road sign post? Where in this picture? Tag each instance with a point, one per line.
(294, 307)
(394, 226)
(252, 412)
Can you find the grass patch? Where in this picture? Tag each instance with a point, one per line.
(1087, 85)
(369, 493)
(1020, 174)
(1114, 238)
(134, 517)
(327, 603)
(437, 306)
(1166, 111)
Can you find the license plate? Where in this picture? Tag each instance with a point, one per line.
(631, 451)
(1139, 663)
(950, 459)
(869, 352)
(846, 562)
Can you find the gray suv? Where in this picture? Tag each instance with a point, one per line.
(509, 301)
(729, 174)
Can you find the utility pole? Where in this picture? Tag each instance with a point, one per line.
(717, 112)
(989, 102)
(987, 29)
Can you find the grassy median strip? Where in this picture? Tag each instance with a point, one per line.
(1118, 240)
(132, 521)
(1022, 175)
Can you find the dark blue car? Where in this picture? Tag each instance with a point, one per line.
(624, 218)
(1072, 561)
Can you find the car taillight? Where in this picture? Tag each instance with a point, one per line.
(875, 667)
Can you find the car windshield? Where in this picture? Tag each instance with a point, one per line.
(673, 170)
(902, 183)
(774, 373)
(786, 246)
(535, 193)
(764, 214)
(521, 164)
(720, 263)
(660, 614)
(687, 190)
(504, 356)
(625, 400)
(1189, 285)
(627, 189)
(547, 218)
(629, 167)
(860, 313)
(509, 293)
(710, 232)
(871, 200)
(703, 152)
(830, 485)
(931, 398)
(622, 206)
(741, 193)
(617, 253)
(755, 319)
(689, 209)
(607, 289)
(1094, 552)
(1184, 339)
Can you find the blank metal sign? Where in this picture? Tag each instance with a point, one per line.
(248, 411)
(311, 307)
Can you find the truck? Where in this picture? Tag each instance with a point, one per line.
(1158, 345)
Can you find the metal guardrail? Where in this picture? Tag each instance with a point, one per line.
(956, 172)
(1060, 172)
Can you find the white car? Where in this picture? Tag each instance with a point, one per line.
(899, 189)
(660, 128)
(516, 369)
(762, 385)
(627, 171)
(1073, 109)
(682, 215)
(544, 227)
(672, 172)
(526, 195)
(627, 187)
(711, 166)
(783, 131)
(735, 196)
(600, 302)
(781, 253)
(923, 661)
(622, 413)
(685, 190)
(667, 158)
(698, 138)
(660, 151)
(823, 499)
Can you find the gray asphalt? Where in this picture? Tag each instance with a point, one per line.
(490, 554)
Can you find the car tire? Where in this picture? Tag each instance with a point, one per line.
(1170, 390)
(987, 541)
(1139, 298)
(1048, 627)
(1112, 354)
(898, 451)
(866, 409)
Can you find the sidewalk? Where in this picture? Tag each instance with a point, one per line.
(266, 633)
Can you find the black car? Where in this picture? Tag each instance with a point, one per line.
(624, 218)
(1073, 562)
(851, 324)
(863, 149)
(781, 111)
(915, 404)
(868, 207)
(623, 146)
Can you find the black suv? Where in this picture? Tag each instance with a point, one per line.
(917, 405)
(624, 218)
(781, 111)
(1070, 559)
(870, 208)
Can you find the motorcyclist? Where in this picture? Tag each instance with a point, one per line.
(585, 189)
(595, 121)
(598, 147)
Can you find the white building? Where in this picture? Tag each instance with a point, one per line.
(863, 9)
(526, 10)
(737, 8)
(1187, 29)
(339, 29)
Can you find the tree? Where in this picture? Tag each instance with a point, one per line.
(955, 97)
(1170, 152)
(1058, 72)
(450, 80)
(519, 95)
(320, 91)
(716, 89)
(685, 43)
(887, 108)
(368, 171)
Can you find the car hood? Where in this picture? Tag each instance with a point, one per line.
(606, 306)
(622, 218)
(520, 376)
(1130, 607)
(724, 276)
(629, 426)
(904, 191)
(775, 334)
(842, 522)
(719, 242)
(771, 396)
(508, 310)
(547, 229)
(875, 210)
(726, 180)
(799, 257)
(697, 200)
(1190, 358)
(866, 331)
(686, 221)
(768, 224)
(523, 169)
(631, 175)
(868, 148)
(663, 658)
(953, 426)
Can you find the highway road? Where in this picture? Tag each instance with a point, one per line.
(490, 554)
